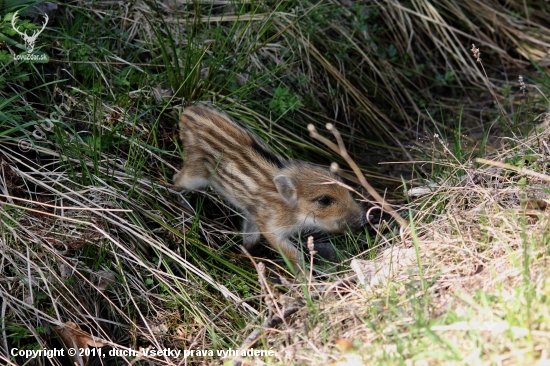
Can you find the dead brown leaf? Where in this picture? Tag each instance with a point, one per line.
(77, 339)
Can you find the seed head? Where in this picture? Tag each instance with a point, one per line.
(476, 53)
(522, 86)
(311, 246)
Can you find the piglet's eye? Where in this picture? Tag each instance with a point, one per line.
(324, 200)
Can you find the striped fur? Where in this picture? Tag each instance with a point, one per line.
(278, 197)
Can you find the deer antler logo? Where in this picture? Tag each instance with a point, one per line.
(29, 40)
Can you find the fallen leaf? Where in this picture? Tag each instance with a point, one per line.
(76, 338)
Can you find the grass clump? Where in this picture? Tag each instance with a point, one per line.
(466, 282)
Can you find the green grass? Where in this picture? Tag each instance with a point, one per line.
(92, 232)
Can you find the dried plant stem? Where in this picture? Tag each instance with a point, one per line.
(516, 169)
(277, 315)
(341, 149)
(312, 252)
(477, 54)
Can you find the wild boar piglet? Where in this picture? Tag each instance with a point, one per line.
(279, 198)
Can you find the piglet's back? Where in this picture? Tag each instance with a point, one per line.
(216, 129)
(237, 163)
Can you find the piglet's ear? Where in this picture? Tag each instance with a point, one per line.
(286, 189)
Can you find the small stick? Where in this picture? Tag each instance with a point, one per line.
(341, 149)
(516, 169)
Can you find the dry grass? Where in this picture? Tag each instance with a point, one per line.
(469, 283)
